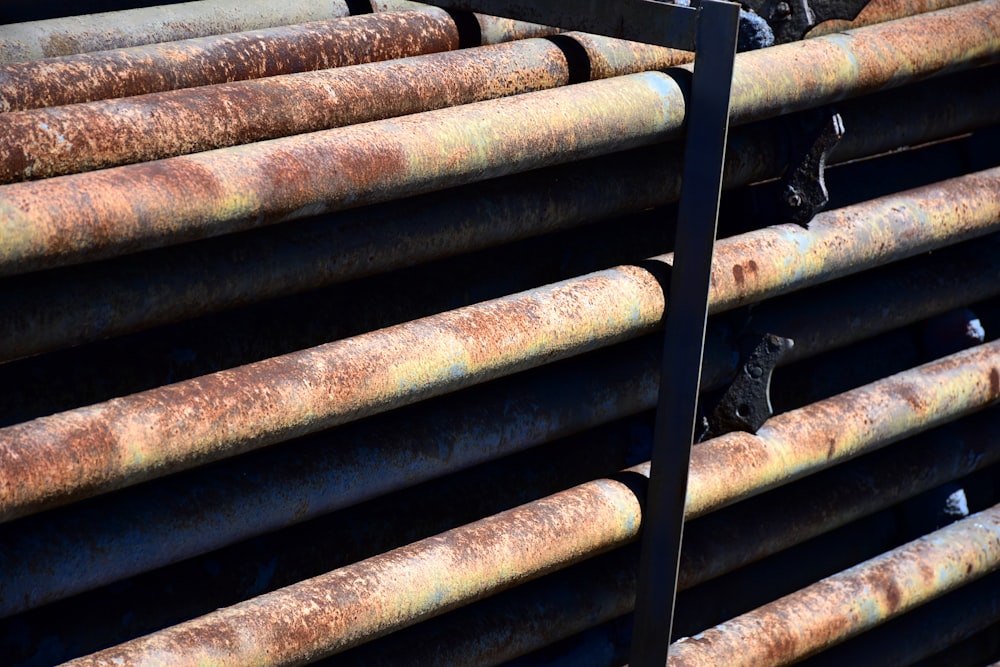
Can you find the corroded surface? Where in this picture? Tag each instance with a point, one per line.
(794, 444)
(219, 59)
(848, 240)
(81, 452)
(88, 216)
(108, 212)
(879, 11)
(59, 140)
(393, 590)
(800, 75)
(852, 601)
(43, 314)
(334, 611)
(59, 458)
(148, 25)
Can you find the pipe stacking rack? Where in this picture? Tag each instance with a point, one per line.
(489, 333)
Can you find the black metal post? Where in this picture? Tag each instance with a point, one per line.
(680, 378)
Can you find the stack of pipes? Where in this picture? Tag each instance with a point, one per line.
(329, 335)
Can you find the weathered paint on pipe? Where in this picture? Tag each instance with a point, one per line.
(100, 214)
(835, 498)
(183, 198)
(852, 601)
(880, 11)
(800, 75)
(130, 439)
(148, 25)
(40, 313)
(368, 599)
(235, 57)
(537, 614)
(492, 29)
(59, 140)
(797, 443)
(360, 461)
(792, 253)
(332, 612)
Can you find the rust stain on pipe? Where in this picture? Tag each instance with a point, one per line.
(390, 591)
(48, 142)
(848, 603)
(772, 259)
(43, 315)
(95, 215)
(800, 75)
(185, 424)
(797, 443)
(880, 11)
(108, 212)
(53, 460)
(492, 29)
(332, 612)
(235, 57)
(149, 25)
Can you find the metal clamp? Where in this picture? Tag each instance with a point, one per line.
(746, 404)
(803, 191)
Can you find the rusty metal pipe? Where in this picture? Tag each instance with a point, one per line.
(48, 142)
(364, 460)
(219, 59)
(937, 626)
(45, 312)
(359, 602)
(880, 11)
(853, 601)
(833, 498)
(149, 25)
(492, 29)
(558, 606)
(100, 214)
(149, 434)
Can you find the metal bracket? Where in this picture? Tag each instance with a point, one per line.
(790, 20)
(746, 404)
(803, 191)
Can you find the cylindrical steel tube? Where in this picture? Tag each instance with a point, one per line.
(148, 25)
(359, 602)
(320, 616)
(540, 613)
(882, 412)
(833, 498)
(851, 602)
(130, 439)
(360, 461)
(879, 11)
(100, 214)
(55, 310)
(235, 57)
(59, 140)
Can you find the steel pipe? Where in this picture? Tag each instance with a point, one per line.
(879, 11)
(792, 514)
(48, 142)
(924, 632)
(100, 214)
(44, 312)
(82, 452)
(853, 601)
(219, 59)
(149, 25)
(362, 601)
(209, 509)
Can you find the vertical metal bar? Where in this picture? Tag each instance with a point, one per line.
(663, 521)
